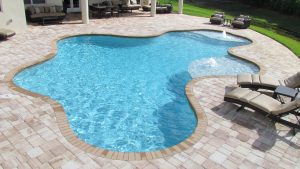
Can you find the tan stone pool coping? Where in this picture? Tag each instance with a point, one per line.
(68, 133)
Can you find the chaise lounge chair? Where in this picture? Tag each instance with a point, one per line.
(256, 81)
(217, 18)
(264, 104)
(6, 33)
(241, 22)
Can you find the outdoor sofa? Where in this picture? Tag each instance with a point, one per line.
(256, 81)
(241, 22)
(6, 33)
(165, 8)
(40, 13)
(268, 106)
(217, 18)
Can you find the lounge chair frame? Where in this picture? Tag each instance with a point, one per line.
(274, 118)
(256, 87)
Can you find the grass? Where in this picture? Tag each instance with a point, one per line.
(282, 28)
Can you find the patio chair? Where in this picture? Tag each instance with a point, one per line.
(217, 18)
(266, 105)
(256, 81)
(93, 11)
(241, 22)
(6, 33)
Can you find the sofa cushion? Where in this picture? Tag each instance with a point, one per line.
(41, 15)
(58, 8)
(42, 9)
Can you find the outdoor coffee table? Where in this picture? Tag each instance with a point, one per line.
(285, 91)
(50, 19)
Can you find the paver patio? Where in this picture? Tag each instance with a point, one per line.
(31, 138)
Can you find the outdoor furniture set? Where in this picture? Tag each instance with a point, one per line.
(112, 8)
(274, 107)
(240, 22)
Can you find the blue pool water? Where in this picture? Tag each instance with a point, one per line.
(128, 94)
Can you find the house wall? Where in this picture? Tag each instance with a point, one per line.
(49, 2)
(12, 15)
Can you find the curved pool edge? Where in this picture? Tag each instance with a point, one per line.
(69, 135)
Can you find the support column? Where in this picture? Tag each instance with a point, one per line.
(85, 11)
(180, 6)
(153, 8)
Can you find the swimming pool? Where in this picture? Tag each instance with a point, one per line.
(127, 94)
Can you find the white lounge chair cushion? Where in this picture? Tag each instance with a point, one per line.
(268, 81)
(250, 96)
(244, 79)
(256, 79)
(266, 103)
(238, 93)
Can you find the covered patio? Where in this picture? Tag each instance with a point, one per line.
(85, 9)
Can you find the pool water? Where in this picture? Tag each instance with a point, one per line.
(128, 94)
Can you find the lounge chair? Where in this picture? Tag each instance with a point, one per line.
(241, 22)
(266, 105)
(6, 33)
(256, 81)
(217, 18)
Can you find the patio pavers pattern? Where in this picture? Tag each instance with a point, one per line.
(30, 137)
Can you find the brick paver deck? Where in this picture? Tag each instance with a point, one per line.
(30, 136)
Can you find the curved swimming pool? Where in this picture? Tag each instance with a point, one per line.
(128, 94)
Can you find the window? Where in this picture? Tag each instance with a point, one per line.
(31, 2)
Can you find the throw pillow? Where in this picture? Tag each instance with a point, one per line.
(32, 10)
(52, 9)
(37, 10)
